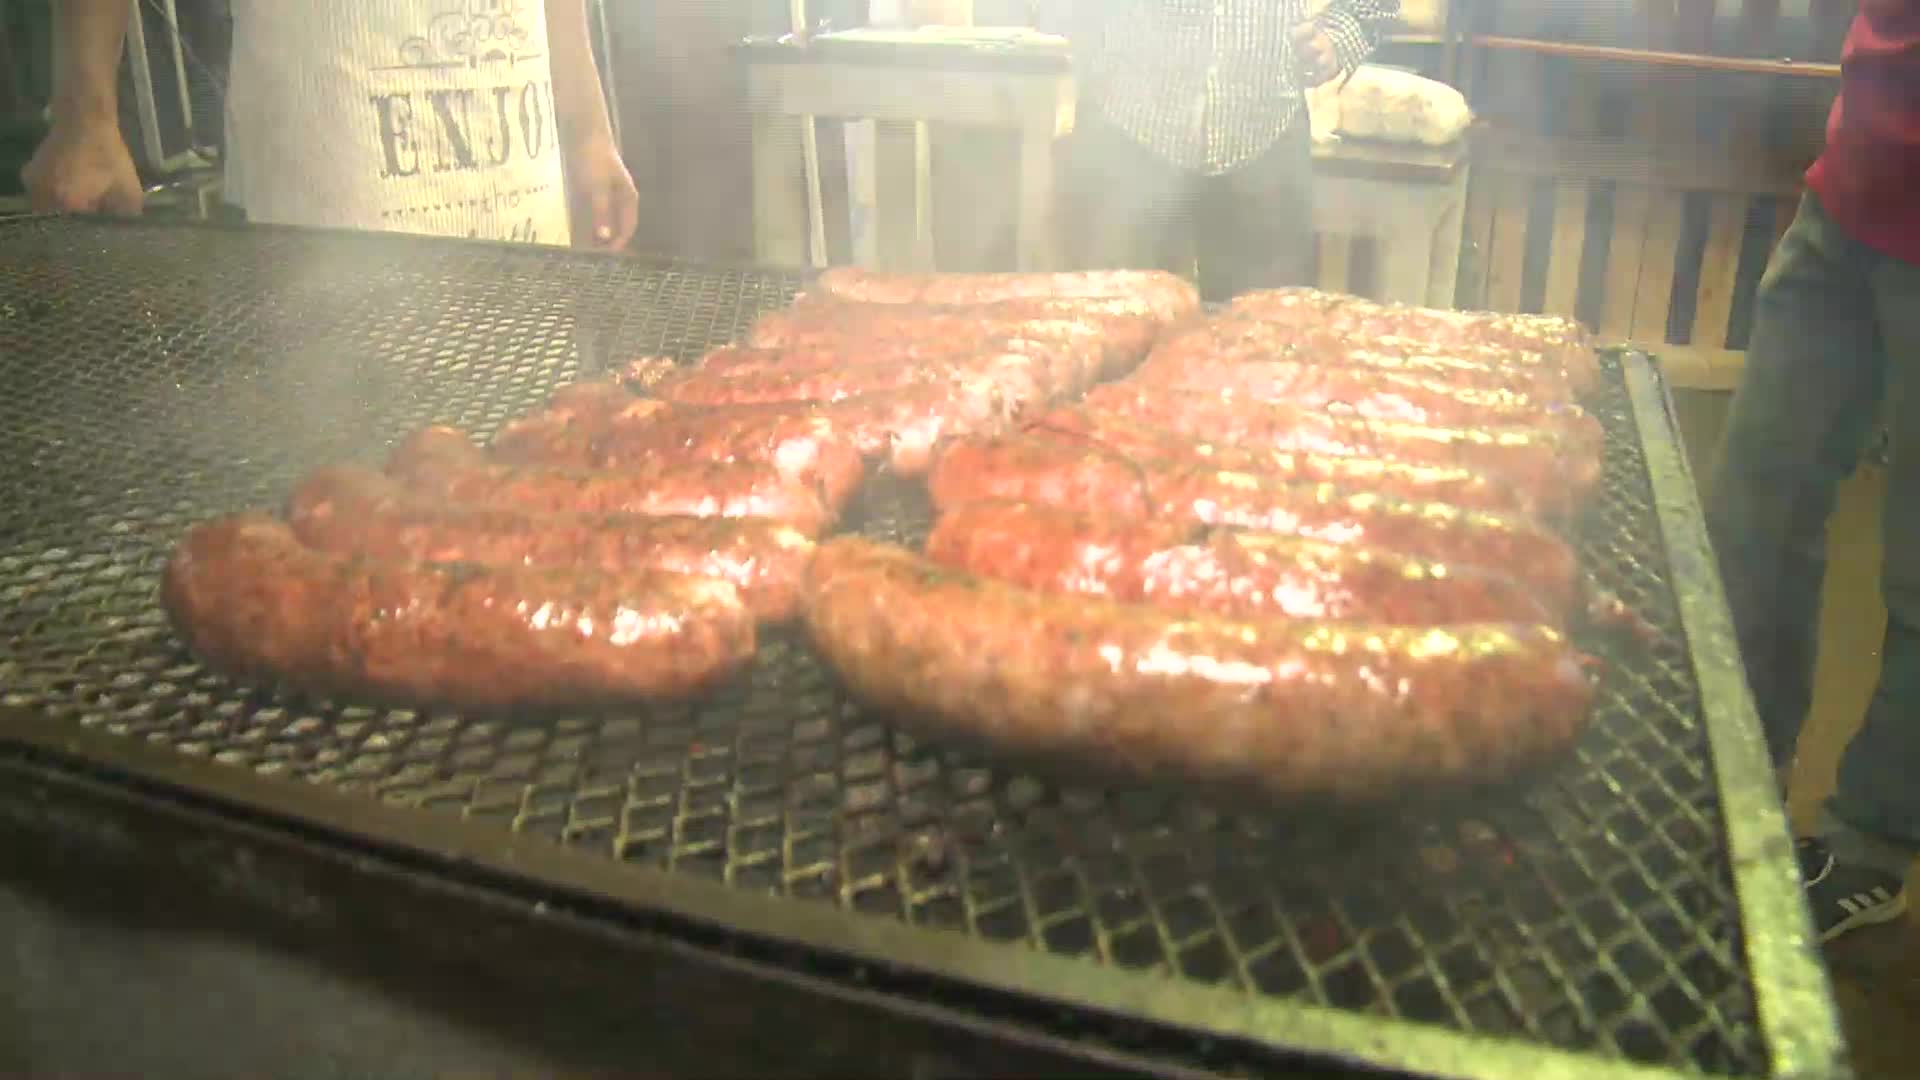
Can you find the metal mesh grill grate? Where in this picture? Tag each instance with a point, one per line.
(157, 377)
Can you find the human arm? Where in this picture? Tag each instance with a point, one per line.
(603, 196)
(1342, 36)
(82, 166)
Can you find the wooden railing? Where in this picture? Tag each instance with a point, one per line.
(1640, 189)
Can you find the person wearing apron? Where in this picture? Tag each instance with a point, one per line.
(466, 118)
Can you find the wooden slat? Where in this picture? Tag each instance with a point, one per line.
(1653, 295)
(1507, 257)
(1570, 203)
(1695, 368)
(1477, 243)
(1636, 160)
(1336, 262)
(1693, 25)
(1719, 270)
(1758, 27)
(897, 179)
(1657, 20)
(1624, 250)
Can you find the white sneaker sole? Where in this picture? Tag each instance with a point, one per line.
(1873, 916)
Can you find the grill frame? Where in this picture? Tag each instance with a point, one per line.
(1789, 988)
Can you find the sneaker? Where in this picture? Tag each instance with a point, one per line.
(1844, 897)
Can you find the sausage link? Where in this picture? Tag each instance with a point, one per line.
(1010, 374)
(565, 431)
(1564, 341)
(1086, 480)
(254, 603)
(1029, 468)
(1186, 567)
(805, 447)
(1169, 297)
(1376, 394)
(1120, 341)
(911, 427)
(1232, 340)
(441, 463)
(349, 510)
(1412, 481)
(1538, 461)
(1346, 711)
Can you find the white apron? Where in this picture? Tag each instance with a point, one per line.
(420, 116)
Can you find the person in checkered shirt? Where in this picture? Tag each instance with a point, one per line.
(1191, 143)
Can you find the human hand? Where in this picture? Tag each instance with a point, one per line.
(606, 206)
(1318, 63)
(82, 169)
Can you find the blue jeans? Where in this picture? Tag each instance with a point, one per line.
(1836, 340)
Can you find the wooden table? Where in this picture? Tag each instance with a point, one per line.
(1412, 199)
(1010, 82)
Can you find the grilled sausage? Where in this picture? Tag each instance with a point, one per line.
(910, 427)
(1187, 567)
(1083, 479)
(1414, 482)
(1068, 473)
(1120, 340)
(1167, 296)
(1346, 711)
(1075, 363)
(254, 603)
(441, 463)
(575, 417)
(1377, 394)
(1563, 341)
(1014, 376)
(799, 446)
(1231, 340)
(1537, 461)
(349, 510)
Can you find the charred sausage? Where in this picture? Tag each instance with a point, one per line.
(349, 510)
(1183, 566)
(441, 463)
(1346, 711)
(254, 603)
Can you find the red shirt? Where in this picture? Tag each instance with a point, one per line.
(1868, 177)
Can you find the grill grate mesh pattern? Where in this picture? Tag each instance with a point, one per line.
(154, 377)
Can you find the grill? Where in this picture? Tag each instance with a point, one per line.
(1635, 908)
